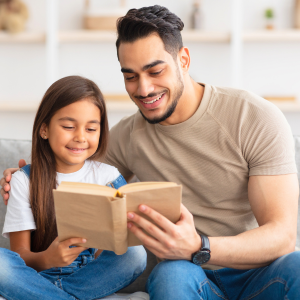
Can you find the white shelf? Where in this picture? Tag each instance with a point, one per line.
(87, 36)
(111, 36)
(205, 36)
(117, 105)
(15, 106)
(23, 37)
(291, 35)
(121, 106)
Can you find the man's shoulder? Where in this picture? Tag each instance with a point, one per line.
(236, 98)
(231, 103)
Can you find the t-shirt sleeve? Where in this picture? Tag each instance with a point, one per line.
(267, 142)
(19, 215)
(119, 140)
(112, 174)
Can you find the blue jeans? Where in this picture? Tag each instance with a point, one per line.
(85, 278)
(183, 280)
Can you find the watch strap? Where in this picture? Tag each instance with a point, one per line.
(202, 256)
(205, 243)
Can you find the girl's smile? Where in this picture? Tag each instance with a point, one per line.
(76, 150)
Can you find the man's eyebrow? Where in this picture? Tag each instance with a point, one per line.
(153, 64)
(145, 68)
(74, 120)
(125, 70)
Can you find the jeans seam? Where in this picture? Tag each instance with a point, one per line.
(59, 284)
(220, 283)
(274, 280)
(206, 281)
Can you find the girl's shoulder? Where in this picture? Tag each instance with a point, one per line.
(101, 173)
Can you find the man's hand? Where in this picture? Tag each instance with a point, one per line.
(167, 240)
(4, 182)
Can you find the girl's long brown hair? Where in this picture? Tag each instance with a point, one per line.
(43, 165)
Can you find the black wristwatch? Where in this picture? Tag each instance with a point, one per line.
(203, 255)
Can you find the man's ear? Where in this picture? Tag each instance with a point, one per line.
(184, 59)
(44, 131)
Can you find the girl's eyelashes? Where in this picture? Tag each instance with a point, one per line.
(71, 127)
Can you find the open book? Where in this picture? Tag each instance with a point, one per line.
(99, 213)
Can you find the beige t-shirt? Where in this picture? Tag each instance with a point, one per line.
(234, 134)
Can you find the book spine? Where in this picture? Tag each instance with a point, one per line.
(119, 216)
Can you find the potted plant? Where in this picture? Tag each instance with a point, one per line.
(269, 15)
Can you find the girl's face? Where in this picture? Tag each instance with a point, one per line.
(73, 134)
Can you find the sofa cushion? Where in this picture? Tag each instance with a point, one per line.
(10, 153)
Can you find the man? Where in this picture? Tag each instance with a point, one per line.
(233, 153)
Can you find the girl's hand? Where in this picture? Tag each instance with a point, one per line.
(59, 254)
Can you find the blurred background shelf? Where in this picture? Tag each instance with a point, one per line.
(114, 102)
(87, 36)
(23, 37)
(79, 36)
(123, 103)
(290, 35)
(110, 36)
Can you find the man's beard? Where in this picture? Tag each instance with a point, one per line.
(177, 94)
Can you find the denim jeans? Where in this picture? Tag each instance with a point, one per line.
(85, 278)
(183, 280)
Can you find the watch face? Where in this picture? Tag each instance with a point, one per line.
(201, 257)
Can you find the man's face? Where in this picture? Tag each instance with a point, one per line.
(152, 78)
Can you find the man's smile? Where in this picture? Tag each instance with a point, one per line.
(154, 100)
(151, 103)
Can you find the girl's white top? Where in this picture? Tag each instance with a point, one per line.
(19, 215)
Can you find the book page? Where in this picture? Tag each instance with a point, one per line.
(142, 186)
(87, 188)
(165, 200)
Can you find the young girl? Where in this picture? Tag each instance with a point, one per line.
(70, 132)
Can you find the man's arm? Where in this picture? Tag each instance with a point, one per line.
(4, 181)
(274, 202)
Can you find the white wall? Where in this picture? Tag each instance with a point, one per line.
(268, 68)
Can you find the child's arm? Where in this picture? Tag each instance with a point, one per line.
(58, 253)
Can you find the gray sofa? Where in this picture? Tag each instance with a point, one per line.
(12, 150)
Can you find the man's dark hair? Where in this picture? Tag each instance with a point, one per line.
(140, 23)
